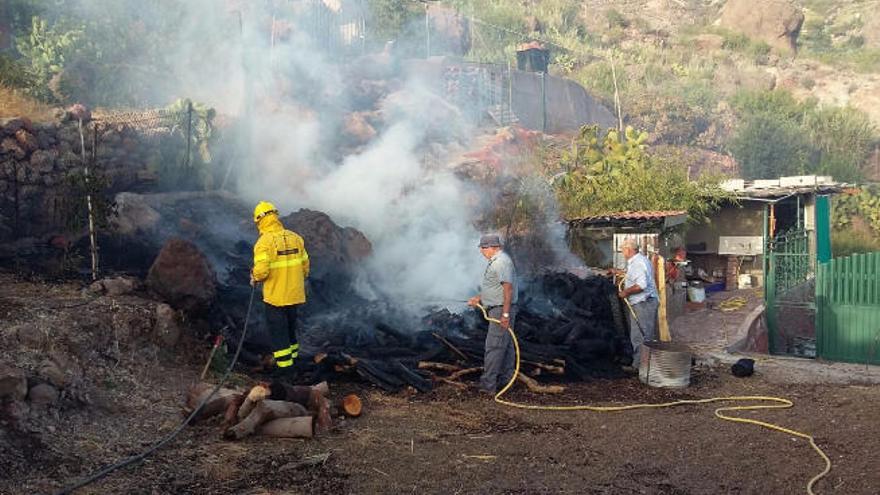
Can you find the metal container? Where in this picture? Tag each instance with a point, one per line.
(664, 364)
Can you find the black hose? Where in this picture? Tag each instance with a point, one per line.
(125, 462)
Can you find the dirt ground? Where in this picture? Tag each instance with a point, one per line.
(446, 441)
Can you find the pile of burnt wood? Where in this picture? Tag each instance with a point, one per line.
(568, 328)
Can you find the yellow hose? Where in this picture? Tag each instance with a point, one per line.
(732, 304)
(778, 403)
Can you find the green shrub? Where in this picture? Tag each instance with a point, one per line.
(735, 41)
(849, 241)
(768, 146)
(13, 74)
(778, 103)
(616, 19)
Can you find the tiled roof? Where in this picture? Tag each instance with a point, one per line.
(630, 215)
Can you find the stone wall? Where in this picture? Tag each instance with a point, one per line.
(40, 163)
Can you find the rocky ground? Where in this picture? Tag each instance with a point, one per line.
(95, 393)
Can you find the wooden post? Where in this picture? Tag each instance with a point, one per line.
(93, 237)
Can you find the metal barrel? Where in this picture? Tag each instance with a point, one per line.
(664, 364)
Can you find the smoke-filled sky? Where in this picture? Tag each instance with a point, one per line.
(293, 94)
(280, 72)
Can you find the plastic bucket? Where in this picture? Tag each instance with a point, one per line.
(696, 294)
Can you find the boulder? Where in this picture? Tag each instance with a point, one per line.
(116, 286)
(11, 126)
(450, 31)
(708, 42)
(182, 276)
(167, 331)
(15, 411)
(776, 22)
(871, 29)
(26, 140)
(134, 215)
(330, 247)
(59, 370)
(43, 394)
(43, 161)
(358, 129)
(13, 383)
(31, 336)
(10, 146)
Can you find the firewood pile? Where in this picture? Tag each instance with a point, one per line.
(271, 409)
(569, 328)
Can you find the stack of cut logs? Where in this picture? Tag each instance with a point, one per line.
(272, 409)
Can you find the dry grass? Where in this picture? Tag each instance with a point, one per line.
(14, 103)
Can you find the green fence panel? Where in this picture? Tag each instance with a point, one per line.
(848, 309)
(823, 228)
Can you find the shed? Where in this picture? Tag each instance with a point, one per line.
(596, 238)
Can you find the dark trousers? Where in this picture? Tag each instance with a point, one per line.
(499, 362)
(281, 322)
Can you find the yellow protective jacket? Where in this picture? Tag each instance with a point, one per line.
(281, 263)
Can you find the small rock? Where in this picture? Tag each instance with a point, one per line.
(119, 286)
(27, 140)
(43, 395)
(43, 161)
(30, 336)
(166, 331)
(15, 411)
(55, 373)
(10, 146)
(11, 126)
(13, 383)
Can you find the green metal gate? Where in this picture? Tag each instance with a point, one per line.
(790, 294)
(848, 308)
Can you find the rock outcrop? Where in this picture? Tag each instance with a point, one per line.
(776, 22)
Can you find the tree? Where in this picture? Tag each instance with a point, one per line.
(614, 173)
(768, 146)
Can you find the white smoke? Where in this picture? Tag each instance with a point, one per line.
(258, 62)
(419, 219)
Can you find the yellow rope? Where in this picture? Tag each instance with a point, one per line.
(778, 403)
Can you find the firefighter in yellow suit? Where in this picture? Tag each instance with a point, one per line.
(282, 264)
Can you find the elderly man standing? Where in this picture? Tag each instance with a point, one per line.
(498, 294)
(640, 292)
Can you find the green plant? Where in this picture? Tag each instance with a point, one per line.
(614, 172)
(81, 190)
(848, 241)
(844, 137)
(616, 19)
(735, 41)
(49, 48)
(767, 146)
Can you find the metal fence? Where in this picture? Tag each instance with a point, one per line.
(848, 308)
(790, 293)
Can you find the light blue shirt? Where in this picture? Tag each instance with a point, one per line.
(640, 272)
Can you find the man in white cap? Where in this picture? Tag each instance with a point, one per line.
(498, 294)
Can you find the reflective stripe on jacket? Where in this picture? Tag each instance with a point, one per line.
(281, 263)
